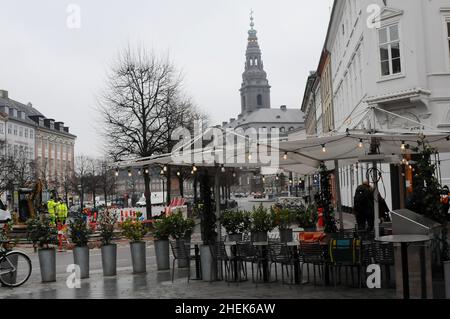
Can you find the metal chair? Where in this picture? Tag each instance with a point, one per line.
(279, 253)
(312, 254)
(181, 251)
(345, 253)
(247, 253)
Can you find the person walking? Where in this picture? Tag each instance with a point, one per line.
(363, 207)
(61, 211)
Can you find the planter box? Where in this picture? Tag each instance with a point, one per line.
(286, 235)
(235, 237)
(259, 237)
(109, 260)
(162, 254)
(81, 258)
(47, 263)
(138, 257)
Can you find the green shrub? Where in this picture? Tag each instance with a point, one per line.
(41, 233)
(180, 228)
(261, 220)
(235, 222)
(162, 228)
(133, 230)
(307, 218)
(79, 232)
(283, 218)
(106, 223)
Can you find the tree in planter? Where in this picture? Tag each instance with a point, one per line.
(79, 232)
(161, 233)
(307, 218)
(235, 222)
(106, 223)
(180, 228)
(426, 198)
(162, 229)
(79, 235)
(133, 230)
(325, 200)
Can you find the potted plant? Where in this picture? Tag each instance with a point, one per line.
(134, 230)
(307, 218)
(261, 224)
(42, 234)
(283, 218)
(181, 231)
(79, 235)
(106, 223)
(161, 234)
(235, 223)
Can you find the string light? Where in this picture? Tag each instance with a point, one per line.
(324, 149)
(360, 145)
(117, 172)
(249, 157)
(234, 174)
(403, 147)
(129, 172)
(139, 172)
(165, 168)
(285, 156)
(264, 179)
(162, 172)
(146, 171)
(223, 169)
(178, 173)
(192, 172)
(194, 168)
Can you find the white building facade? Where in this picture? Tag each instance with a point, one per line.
(393, 56)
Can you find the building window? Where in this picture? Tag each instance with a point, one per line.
(389, 43)
(31, 134)
(9, 128)
(15, 130)
(26, 133)
(259, 99)
(1, 128)
(20, 131)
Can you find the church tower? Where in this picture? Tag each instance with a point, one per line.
(255, 89)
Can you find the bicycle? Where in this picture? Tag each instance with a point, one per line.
(15, 267)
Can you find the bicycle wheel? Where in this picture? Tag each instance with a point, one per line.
(15, 269)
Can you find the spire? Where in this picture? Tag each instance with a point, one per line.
(255, 89)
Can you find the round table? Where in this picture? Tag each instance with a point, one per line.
(404, 241)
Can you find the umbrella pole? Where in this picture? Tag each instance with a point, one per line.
(217, 200)
(375, 201)
(338, 194)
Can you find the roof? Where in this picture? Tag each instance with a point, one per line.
(27, 109)
(289, 116)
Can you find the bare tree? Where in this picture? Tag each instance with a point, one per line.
(140, 107)
(81, 177)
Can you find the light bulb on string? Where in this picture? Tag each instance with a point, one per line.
(178, 173)
(139, 172)
(403, 146)
(117, 172)
(165, 168)
(324, 149)
(194, 168)
(285, 156)
(360, 145)
(146, 171)
(129, 172)
(223, 169)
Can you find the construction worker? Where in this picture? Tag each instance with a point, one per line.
(51, 208)
(61, 210)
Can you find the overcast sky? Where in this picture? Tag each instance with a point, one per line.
(61, 70)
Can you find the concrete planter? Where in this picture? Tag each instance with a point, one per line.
(81, 258)
(47, 263)
(259, 236)
(109, 260)
(209, 267)
(235, 237)
(162, 254)
(286, 235)
(447, 279)
(138, 257)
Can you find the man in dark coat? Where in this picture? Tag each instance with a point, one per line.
(363, 206)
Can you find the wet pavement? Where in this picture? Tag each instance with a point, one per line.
(157, 284)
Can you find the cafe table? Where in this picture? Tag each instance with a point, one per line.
(264, 249)
(405, 241)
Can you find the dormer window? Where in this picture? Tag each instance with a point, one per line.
(259, 100)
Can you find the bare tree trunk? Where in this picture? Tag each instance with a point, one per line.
(148, 199)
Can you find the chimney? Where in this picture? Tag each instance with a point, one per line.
(232, 120)
(49, 123)
(240, 116)
(224, 124)
(283, 108)
(66, 129)
(59, 126)
(4, 94)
